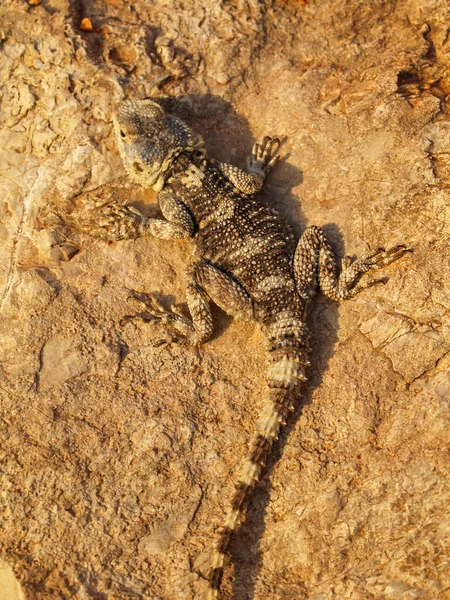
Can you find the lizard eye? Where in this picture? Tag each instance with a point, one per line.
(138, 167)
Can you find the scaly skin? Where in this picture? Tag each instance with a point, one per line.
(245, 262)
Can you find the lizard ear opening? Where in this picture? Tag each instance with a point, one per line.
(123, 135)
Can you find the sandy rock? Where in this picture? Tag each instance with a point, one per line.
(118, 455)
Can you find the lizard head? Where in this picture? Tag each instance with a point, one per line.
(149, 141)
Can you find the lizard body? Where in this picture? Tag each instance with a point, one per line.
(245, 262)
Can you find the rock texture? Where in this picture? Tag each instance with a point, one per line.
(118, 455)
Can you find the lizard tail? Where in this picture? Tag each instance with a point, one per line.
(286, 372)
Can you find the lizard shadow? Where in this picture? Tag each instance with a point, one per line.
(201, 113)
(323, 326)
(215, 120)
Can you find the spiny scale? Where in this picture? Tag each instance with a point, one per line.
(244, 262)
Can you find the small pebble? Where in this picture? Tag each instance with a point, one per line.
(222, 78)
(86, 24)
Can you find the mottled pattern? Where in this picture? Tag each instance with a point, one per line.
(246, 263)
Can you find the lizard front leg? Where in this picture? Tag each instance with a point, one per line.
(262, 159)
(315, 263)
(126, 222)
(204, 282)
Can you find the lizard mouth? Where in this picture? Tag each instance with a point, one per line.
(140, 156)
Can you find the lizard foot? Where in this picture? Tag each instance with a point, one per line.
(351, 270)
(120, 222)
(264, 156)
(179, 327)
(381, 258)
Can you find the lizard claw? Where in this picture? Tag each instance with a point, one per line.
(146, 300)
(382, 257)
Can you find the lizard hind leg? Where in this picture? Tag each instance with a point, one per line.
(315, 264)
(204, 281)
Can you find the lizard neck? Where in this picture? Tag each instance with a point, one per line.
(198, 184)
(185, 161)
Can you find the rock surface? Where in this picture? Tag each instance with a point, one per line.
(118, 456)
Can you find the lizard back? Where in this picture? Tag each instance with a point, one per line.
(240, 235)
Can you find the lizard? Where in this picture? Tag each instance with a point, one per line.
(245, 261)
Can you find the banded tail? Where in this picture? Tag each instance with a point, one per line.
(288, 350)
